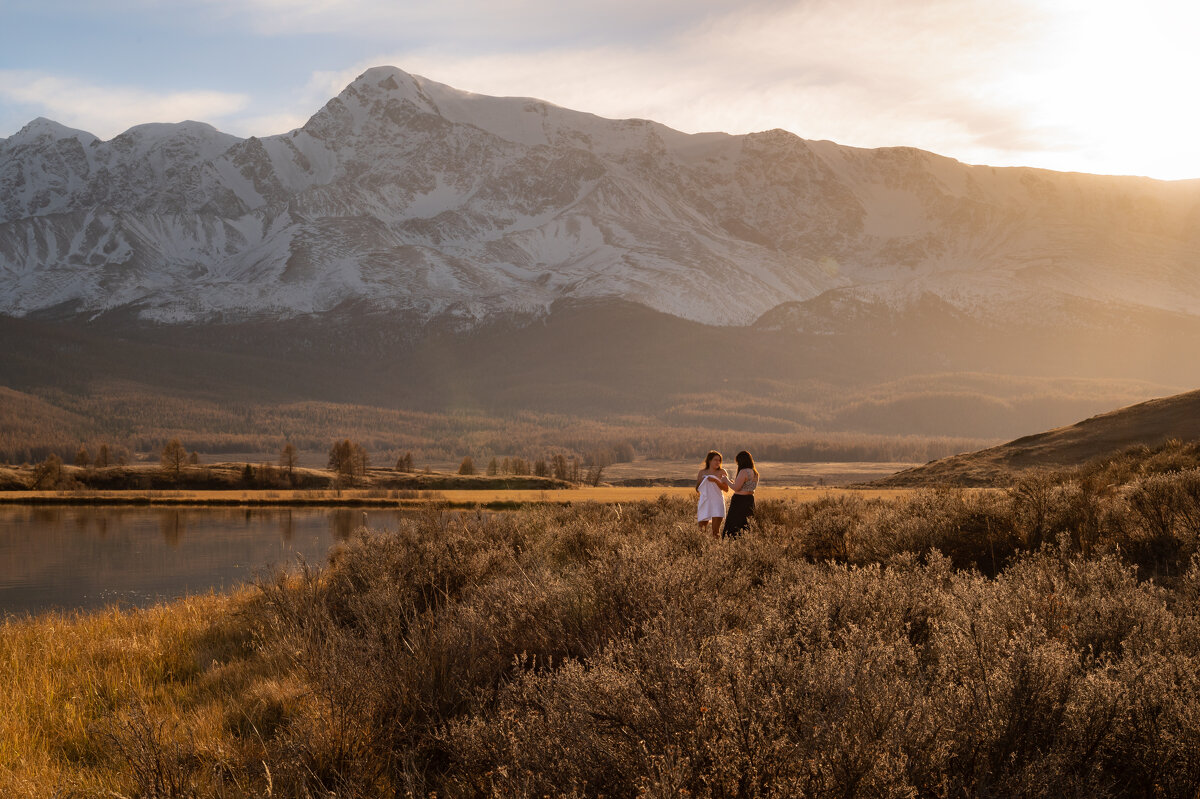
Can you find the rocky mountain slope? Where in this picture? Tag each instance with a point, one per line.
(406, 196)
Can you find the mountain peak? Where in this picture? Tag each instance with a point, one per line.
(522, 120)
(47, 128)
(376, 76)
(188, 128)
(206, 141)
(393, 82)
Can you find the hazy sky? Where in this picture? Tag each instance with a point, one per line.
(1086, 85)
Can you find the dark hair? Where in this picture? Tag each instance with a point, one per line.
(744, 461)
(712, 453)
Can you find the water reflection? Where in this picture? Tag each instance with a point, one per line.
(344, 523)
(84, 557)
(172, 525)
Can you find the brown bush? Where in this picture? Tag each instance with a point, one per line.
(922, 647)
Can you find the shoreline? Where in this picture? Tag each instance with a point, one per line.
(399, 499)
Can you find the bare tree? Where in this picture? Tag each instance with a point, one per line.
(348, 459)
(174, 456)
(358, 454)
(48, 473)
(339, 457)
(467, 466)
(561, 469)
(83, 458)
(287, 460)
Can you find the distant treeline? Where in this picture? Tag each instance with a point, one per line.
(129, 420)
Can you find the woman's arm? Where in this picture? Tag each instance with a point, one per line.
(740, 480)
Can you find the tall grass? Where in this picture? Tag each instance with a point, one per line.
(91, 699)
(1042, 641)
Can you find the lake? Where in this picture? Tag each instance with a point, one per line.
(69, 558)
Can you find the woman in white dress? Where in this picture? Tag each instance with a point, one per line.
(711, 482)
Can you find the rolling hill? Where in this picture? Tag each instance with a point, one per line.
(1148, 424)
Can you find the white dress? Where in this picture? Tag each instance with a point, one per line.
(712, 500)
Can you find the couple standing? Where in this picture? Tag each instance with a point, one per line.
(712, 482)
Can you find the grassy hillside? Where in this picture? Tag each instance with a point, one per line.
(1148, 426)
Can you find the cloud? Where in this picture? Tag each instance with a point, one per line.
(1063, 84)
(1066, 84)
(501, 23)
(107, 111)
(857, 72)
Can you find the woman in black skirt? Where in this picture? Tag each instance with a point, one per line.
(741, 505)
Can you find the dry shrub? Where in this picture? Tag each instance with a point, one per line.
(156, 753)
(1162, 522)
(859, 682)
(974, 529)
(616, 651)
(830, 525)
(951, 644)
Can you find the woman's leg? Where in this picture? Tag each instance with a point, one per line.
(716, 526)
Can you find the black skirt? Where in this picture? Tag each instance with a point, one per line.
(741, 508)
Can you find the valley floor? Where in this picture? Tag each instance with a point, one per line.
(415, 499)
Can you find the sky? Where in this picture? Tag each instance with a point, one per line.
(1071, 85)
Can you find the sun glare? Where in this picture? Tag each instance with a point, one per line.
(1108, 84)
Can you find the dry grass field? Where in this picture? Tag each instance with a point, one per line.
(406, 499)
(775, 473)
(218, 484)
(616, 494)
(1041, 641)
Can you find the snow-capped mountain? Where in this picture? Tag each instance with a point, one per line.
(410, 196)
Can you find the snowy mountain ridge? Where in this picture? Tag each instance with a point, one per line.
(408, 196)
